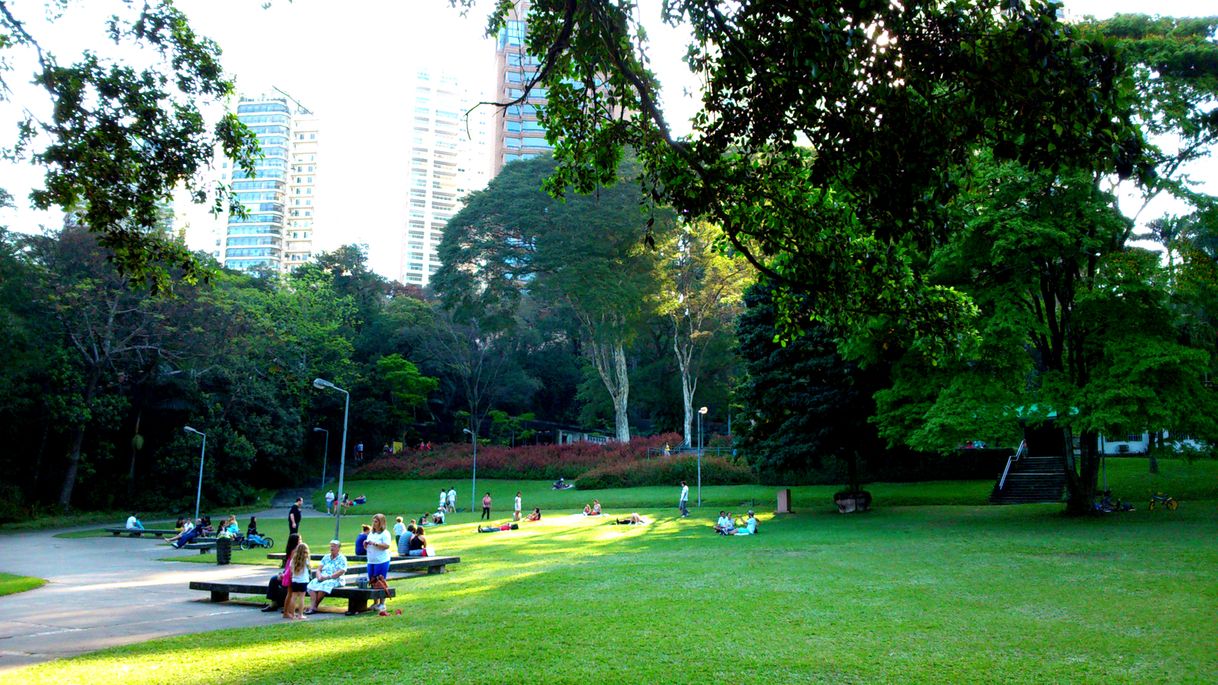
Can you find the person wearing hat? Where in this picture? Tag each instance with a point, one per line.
(748, 528)
(329, 575)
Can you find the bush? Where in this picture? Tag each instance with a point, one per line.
(666, 471)
(526, 462)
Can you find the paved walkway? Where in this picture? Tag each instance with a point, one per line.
(107, 591)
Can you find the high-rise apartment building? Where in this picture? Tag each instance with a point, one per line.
(518, 133)
(277, 231)
(449, 158)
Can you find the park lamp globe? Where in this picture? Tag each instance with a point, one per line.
(322, 384)
(188, 429)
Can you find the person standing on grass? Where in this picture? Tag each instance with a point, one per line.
(330, 502)
(378, 544)
(683, 503)
(486, 506)
(516, 507)
(452, 500)
(294, 517)
(443, 497)
(399, 529)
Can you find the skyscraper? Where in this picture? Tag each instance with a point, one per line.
(277, 231)
(449, 158)
(518, 133)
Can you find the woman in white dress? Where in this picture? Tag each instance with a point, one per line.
(328, 576)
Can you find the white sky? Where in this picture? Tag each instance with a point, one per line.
(349, 62)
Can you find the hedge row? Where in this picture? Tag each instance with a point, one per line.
(667, 471)
(536, 462)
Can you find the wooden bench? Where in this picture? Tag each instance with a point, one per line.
(135, 532)
(318, 557)
(357, 598)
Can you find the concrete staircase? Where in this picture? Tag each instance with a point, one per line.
(1030, 480)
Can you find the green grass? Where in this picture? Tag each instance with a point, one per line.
(11, 585)
(119, 518)
(962, 593)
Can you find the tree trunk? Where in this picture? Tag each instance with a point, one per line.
(688, 396)
(1081, 485)
(134, 450)
(78, 438)
(1155, 440)
(621, 419)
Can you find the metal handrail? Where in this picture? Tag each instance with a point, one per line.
(1023, 445)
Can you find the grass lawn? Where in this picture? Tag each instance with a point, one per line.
(935, 593)
(11, 584)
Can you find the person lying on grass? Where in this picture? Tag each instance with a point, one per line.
(496, 529)
(724, 525)
(632, 520)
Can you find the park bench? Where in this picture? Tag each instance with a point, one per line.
(396, 563)
(135, 533)
(318, 557)
(203, 547)
(357, 597)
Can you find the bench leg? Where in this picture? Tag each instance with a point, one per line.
(116, 533)
(356, 605)
(219, 596)
(435, 569)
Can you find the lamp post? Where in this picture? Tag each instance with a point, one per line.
(701, 413)
(325, 455)
(473, 488)
(323, 384)
(202, 454)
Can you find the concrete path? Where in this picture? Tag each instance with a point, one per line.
(107, 591)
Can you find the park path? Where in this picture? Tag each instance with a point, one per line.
(108, 591)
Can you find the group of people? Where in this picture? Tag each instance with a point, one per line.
(594, 509)
(728, 525)
(411, 539)
(448, 500)
(336, 503)
(300, 578)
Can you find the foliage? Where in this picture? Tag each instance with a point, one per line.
(830, 133)
(668, 470)
(123, 135)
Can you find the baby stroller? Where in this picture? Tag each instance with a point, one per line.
(256, 540)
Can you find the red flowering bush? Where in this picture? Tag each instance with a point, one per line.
(621, 464)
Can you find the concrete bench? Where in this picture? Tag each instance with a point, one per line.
(318, 557)
(357, 598)
(135, 532)
(396, 563)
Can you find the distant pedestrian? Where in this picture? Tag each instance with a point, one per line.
(683, 503)
(330, 502)
(452, 500)
(294, 517)
(443, 497)
(516, 507)
(359, 451)
(486, 507)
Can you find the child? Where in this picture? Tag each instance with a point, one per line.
(516, 507)
(536, 515)
(293, 605)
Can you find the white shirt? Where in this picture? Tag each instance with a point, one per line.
(330, 496)
(684, 493)
(376, 555)
(517, 504)
(452, 496)
(398, 529)
(443, 498)
(133, 522)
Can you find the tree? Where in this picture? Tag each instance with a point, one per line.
(585, 254)
(702, 284)
(123, 135)
(408, 389)
(831, 132)
(802, 404)
(1074, 328)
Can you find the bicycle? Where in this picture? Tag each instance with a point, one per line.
(1167, 501)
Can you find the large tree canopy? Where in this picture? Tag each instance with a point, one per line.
(831, 132)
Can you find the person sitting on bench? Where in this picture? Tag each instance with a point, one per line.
(404, 541)
(496, 529)
(417, 545)
(535, 516)
(182, 525)
(133, 521)
(188, 536)
(724, 523)
(329, 575)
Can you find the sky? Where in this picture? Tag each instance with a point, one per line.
(349, 62)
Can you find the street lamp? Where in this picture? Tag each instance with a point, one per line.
(323, 384)
(473, 488)
(701, 413)
(202, 454)
(325, 454)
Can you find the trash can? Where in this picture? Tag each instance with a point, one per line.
(224, 551)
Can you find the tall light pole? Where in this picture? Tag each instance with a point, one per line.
(473, 487)
(323, 384)
(325, 454)
(202, 454)
(701, 413)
